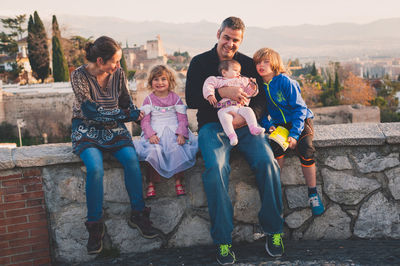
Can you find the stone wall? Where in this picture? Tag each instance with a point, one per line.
(358, 178)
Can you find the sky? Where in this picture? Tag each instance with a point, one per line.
(255, 13)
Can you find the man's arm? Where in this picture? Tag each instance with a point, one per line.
(194, 85)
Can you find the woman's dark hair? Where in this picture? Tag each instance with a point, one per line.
(104, 47)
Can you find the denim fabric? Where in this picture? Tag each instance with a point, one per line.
(93, 160)
(215, 149)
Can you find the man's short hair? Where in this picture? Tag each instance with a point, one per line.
(233, 23)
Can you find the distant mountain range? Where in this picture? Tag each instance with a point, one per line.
(328, 42)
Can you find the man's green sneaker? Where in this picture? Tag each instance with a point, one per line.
(225, 255)
(274, 245)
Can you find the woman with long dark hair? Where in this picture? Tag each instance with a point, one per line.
(102, 105)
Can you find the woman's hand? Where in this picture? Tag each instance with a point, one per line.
(141, 115)
(154, 139)
(292, 142)
(180, 139)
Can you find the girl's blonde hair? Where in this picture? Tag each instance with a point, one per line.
(274, 60)
(159, 71)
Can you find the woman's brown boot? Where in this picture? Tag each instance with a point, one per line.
(96, 233)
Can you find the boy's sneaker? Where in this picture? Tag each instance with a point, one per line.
(274, 245)
(225, 255)
(317, 207)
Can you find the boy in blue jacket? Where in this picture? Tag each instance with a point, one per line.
(287, 108)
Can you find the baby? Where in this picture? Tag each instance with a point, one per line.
(230, 71)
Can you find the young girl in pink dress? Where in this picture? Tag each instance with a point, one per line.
(166, 144)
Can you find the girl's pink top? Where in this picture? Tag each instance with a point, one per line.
(171, 99)
(215, 82)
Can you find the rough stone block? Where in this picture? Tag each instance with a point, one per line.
(73, 188)
(291, 173)
(166, 213)
(247, 204)
(338, 162)
(378, 218)
(114, 186)
(115, 209)
(297, 218)
(242, 233)
(333, 224)
(394, 182)
(374, 163)
(192, 231)
(194, 184)
(127, 239)
(63, 186)
(347, 189)
(70, 235)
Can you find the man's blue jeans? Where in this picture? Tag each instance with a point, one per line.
(215, 149)
(93, 160)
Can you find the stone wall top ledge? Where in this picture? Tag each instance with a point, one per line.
(41, 155)
(6, 161)
(338, 135)
(349, 135)
(391, 132)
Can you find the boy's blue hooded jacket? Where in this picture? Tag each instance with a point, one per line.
(285, 105)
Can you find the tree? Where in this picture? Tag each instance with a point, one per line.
(336, 85)
(55, 29)
(38, 53)
(329, 81)
(131, 74)
(314, 70)
(356, 90)
(15, 25)
(16, 70)
(60, 66)
(123, 64)
(8, 40)
(78, 55)
(311, 93)
(8, 44)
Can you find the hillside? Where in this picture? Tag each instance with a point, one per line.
(334, 41)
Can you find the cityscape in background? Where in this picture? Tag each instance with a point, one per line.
(361, 71)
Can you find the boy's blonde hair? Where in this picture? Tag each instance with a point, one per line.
(159, 71)
(274, 60)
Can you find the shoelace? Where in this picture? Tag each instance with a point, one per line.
(224, 249)
(276, 239)
(314, 201)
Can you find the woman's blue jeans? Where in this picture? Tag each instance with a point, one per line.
(215, 149)
(93, 160)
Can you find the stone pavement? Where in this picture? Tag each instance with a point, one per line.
(304, 252)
